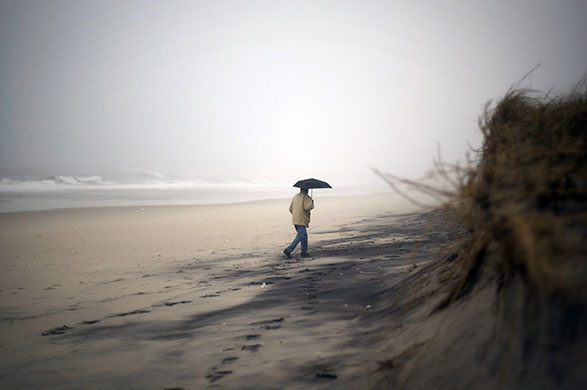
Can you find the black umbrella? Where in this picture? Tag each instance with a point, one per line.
(312, 183)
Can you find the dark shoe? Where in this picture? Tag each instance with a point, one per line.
(287, 253)
(305, 254)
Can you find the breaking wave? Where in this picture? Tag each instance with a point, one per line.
(26, 191)
(143, 181)
(53, 183)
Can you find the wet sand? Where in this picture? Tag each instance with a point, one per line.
(197, 297)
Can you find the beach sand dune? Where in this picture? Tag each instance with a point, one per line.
(201, 297)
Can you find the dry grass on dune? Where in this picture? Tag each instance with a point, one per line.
(524, 204)
(528, 193)
(527, 198)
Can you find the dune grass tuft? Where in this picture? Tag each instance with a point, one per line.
(528, 193)
(525, 193)
(523, 203)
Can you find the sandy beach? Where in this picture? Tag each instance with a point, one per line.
(201, 296)
(149, 152)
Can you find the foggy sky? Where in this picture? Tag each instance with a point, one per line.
(275, 90)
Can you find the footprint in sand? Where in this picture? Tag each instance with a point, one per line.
(132, 313)
(253, 336)
(57, 331)
(273, 321)
(169, 304)
(90, 322)
(251, 348)
(215, 374)
(269, 324)
(323, 372)
(229, 360)
(323, 375)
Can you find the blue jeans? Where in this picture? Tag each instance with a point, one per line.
(301, 236)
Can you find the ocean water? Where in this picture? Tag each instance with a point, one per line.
(27, 190)
(30, 190)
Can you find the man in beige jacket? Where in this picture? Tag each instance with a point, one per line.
(300, 207)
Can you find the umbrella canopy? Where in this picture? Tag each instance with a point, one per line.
(312, 183)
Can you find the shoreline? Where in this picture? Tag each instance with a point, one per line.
(168, 202)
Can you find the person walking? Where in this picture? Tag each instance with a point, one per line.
(300, 207)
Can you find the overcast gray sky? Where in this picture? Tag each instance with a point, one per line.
(274, 90)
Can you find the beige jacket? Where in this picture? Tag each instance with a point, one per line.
(300, 207)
